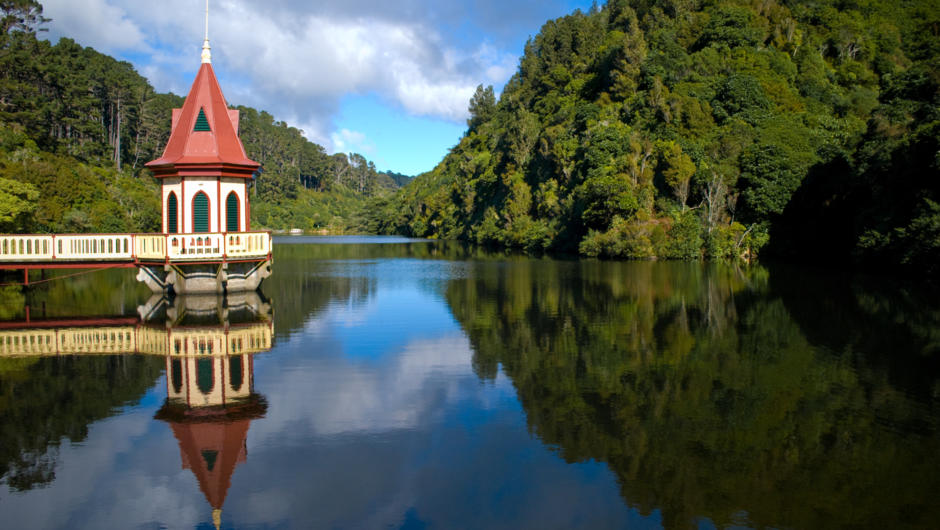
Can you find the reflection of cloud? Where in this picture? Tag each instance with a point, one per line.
(93, 489)
(399, 392)
(348, 441)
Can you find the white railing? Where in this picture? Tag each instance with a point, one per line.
(150, 246)
(98, 247)
(243, 339)
(26, 248)
(35, 248)
(195, 246)
(247, 244)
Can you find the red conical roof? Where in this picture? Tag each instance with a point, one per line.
(204, 138)
(211, 451)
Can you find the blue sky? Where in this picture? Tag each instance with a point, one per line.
(390, 79)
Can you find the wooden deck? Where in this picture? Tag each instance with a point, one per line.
(38, 251)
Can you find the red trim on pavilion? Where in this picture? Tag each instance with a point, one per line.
(216, 152)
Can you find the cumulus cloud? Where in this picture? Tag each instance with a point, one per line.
(298, 59)
(345, 140)
(97, 23)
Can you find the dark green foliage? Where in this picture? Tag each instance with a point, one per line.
(482, 106)
(73, 196)
(398, 178)
(627, 127)
(732, 27)
(740, 96)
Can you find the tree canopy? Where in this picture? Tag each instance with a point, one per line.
(703, 129)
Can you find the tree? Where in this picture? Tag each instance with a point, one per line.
(482, 106)
(18, 201)
(21, 15)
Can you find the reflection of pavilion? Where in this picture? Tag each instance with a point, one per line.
(210, 390)
(208, 343)
(238, 324)
(210, 404)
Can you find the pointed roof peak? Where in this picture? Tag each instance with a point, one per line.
(204, 136)
(206, 49)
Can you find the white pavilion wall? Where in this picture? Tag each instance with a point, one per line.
(222, 388)
(187, 188)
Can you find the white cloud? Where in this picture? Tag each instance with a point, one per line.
(96, 23)
(296, 61)
(345, 140)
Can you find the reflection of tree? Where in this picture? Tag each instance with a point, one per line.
(44, 400)
(698, 388)
(310, 276)
(115, 292)
(869, 318)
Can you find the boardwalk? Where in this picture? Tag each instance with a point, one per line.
(165, 261)
(35, 251)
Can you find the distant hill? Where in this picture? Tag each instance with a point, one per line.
(399, 179)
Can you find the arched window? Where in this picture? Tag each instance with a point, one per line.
(235, 369)
(205, 376)
(172, 217)
(176, 375)
(231, 212)
(201, 212)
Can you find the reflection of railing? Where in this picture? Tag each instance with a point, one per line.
(34, 248)
(195, 341)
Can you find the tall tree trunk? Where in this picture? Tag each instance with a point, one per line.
(117, 137)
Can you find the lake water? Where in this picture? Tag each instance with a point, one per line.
(387, 383)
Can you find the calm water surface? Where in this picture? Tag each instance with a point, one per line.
(387, 383)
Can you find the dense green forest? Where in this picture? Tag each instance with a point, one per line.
(696, 128)
(79, 125)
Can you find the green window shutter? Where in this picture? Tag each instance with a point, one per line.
(176, 373)
(235, 368)
(231, 212)
(202, 124)
(172, 209)
(205, 379)
(201, 212)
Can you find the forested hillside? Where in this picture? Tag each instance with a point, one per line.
(79, 125)
(694, 128)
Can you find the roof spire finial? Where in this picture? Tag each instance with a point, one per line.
(206, 50)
